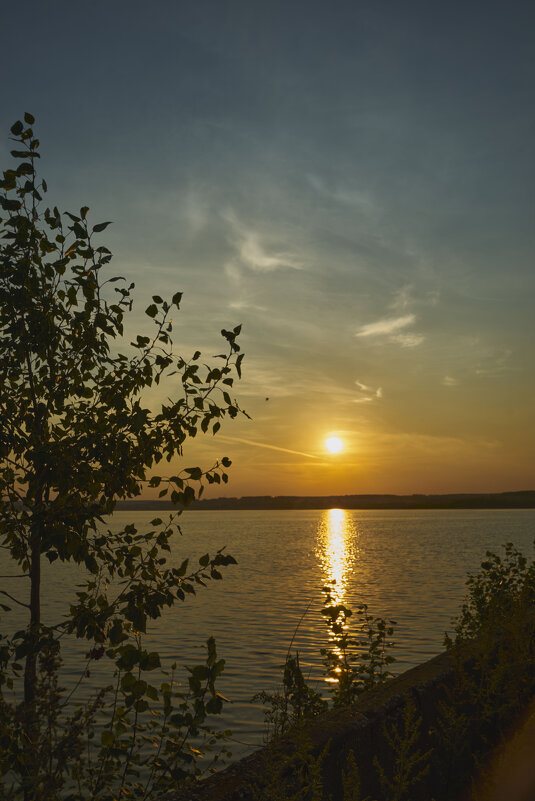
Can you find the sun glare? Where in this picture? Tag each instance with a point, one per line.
(334, 444)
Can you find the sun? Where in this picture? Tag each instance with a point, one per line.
(334, 444)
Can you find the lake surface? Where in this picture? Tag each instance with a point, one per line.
(410, 566)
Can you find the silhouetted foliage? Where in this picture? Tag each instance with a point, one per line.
(76, 435)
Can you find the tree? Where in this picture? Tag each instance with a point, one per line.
(75, 437)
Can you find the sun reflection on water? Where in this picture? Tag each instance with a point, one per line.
(336, 550)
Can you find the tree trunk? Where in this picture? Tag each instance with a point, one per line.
(36, 494)
(31, 722)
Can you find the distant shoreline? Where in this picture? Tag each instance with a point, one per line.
(501, 500)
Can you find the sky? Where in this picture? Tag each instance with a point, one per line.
(353, 182)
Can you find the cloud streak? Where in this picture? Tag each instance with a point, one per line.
(355, 198)
(410, 340)
(369, 394)
(253, 254)
(265, 445)
(392, 328)
(386, 326)
(257, 258)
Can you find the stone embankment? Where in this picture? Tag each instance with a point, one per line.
(430, 687)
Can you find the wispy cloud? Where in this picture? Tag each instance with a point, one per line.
(408, 340)
(254, 252)
(344, 195)
(265, 445)
(402, 299)
(242, 293)
(405, 297)
(495, 363)
(255, 256)
(385, 326)
(449, 381)
(368, 394)
(428, 443)
(242, 303)
(196, 212)
(391, 328)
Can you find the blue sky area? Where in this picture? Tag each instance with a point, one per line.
(352, 181)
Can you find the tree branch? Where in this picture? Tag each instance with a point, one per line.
(26, 606)
(19, 575)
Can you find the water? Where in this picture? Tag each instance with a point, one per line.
(406, 565)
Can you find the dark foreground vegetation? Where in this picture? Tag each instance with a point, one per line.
(76, 435)
(423, 736)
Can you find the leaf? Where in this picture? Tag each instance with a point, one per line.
(17, 128)
(138, 688)
(10, 205)
(136, 616)
(116, 634)
(152, 310)
(151, 692)
(28, 118)
(151, 662)
(79, 231)
(107, 738)
(189, 496)
(181, 571)
(101, 226)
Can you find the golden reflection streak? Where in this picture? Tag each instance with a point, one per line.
(335, 549)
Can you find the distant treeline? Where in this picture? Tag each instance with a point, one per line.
(500, 500)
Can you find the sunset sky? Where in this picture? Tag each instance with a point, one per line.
(351, 181)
